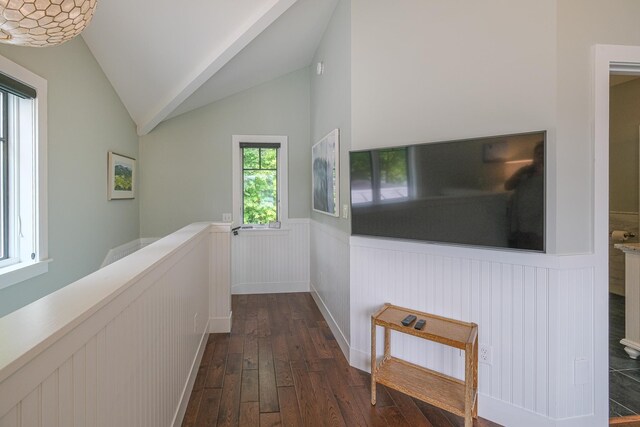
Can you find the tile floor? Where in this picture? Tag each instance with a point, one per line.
(624, 372)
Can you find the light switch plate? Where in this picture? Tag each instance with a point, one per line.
(345, 211)
(226, 217)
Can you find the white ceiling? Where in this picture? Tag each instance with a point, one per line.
(165, 58)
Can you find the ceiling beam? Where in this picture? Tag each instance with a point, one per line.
(215, 62)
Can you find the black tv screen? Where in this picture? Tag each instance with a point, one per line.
(487, 191)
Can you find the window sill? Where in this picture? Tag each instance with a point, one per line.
(20, 272)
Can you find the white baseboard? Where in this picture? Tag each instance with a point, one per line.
(188, 387)
(589, 420)
(269, 288)
(218, 325)
(506, 414)
(335, 329)
(359, 359)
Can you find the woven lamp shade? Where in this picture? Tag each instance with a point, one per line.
(43, 22)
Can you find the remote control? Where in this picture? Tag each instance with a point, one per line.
(420, 324)
(408, 320)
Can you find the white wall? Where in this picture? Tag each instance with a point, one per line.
(186, 161)
(85, 121)
(330, 109)
(431, 71)
(331, 99)
(434, 71)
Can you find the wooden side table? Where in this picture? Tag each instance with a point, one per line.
(435, 388)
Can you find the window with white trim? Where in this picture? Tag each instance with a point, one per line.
(260, 179)
(23, 240)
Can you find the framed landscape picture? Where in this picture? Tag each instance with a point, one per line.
(325, 177)
(121, 179)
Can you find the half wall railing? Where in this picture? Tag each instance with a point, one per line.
(121, 346)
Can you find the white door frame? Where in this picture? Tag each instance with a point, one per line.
(621, 60)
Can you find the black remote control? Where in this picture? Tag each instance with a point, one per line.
(408, 320)
(420, 324)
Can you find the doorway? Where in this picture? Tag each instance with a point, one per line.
(608, 59)
(624, 142)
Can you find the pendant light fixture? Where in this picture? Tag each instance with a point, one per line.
(42, 23)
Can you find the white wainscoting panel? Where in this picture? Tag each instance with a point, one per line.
(119, 347)
(330, 279)
(268, 261)
(220, 291)
(534, 311)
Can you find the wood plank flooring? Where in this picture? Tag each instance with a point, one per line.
(281, 366)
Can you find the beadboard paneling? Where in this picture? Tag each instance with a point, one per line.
(330, 278)
(220, 273)
(534, 311)
(130, 357)
(268, 261)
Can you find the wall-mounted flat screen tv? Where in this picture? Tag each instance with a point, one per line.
(487, 191)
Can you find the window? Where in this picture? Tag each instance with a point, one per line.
(379, 176)
(259, 183)
(260, 179)
(23, 230)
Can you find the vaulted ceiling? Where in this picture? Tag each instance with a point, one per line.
(165, 58)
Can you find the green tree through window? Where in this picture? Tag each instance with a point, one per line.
(260, 186)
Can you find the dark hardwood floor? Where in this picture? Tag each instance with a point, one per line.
(281, 365)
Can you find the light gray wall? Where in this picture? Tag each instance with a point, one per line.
(437, 71)
(86, 120)
(581, 25)
(186, 166)
(430, 70)
(624, 111)
(427, 71)
(329, 261)
(331, 100)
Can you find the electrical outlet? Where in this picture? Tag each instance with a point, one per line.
(226, 217)
(195, 323)
(485, 354)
